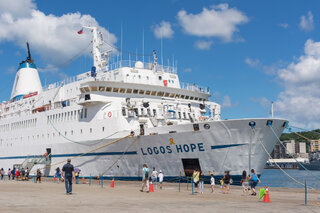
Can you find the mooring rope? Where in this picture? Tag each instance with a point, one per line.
(292, 178)
(291, 154)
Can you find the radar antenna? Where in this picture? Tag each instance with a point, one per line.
(29, 59)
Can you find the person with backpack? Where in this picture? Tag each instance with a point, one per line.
(145, 178)
(253, 178)
(9, 174)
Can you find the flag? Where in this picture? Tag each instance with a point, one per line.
(80, 31)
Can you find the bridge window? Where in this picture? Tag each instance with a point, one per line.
(109, 89)
(94, 89)
(115, 89)
(135, 91)
(87, 89)
(141, 92)
(101, 89)
(167, 94)
(148, 92)
(129, 90)
(160, 93)
(122, 90)
(82, 90)
(153, 93)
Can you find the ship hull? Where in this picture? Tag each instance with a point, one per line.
(216, 146)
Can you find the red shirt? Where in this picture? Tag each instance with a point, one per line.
(17, 173)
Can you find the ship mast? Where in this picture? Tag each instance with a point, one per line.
(97, 42)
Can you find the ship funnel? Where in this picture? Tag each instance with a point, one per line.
(27, 79)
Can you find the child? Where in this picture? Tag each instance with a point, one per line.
(160, 176)
(212, 183)
(221, 184)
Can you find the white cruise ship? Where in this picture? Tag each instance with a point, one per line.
(176, 128)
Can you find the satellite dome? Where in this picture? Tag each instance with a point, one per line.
(138, 65)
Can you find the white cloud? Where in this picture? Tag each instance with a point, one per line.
(226, 102)
(54, 38)
(203, 45)
(17, 8)
(300, 100)
(217, 21)
(306, 23)
(162, 30)
(252, 62)
(263, 101)
(284, 25)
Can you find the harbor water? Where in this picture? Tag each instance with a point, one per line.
(276, 178)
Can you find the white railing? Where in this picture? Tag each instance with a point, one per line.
(194, 88)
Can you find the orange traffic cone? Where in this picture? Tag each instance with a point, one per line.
(112, 183)
(266, 196)
(151, 187)
(83, 180)
(54, 178)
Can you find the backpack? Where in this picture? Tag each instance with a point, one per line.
(255, 178)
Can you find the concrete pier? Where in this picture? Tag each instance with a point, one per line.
(27, 196)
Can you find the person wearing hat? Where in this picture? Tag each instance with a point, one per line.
(160, 176)
(68, 172)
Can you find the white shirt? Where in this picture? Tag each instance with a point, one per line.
(160, 177)
(154, 174)
(212, 181)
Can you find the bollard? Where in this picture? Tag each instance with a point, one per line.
(192, 185)
(187, 182)
(101, 181)
(179, 182)
(305, 192)
(34, 178)
(90, 180)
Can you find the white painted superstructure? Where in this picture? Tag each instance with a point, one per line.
(176, 127)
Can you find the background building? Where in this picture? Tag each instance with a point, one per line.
(314, 145)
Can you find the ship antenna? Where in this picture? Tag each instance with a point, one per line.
(29, 54)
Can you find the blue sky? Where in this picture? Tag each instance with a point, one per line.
(248, 52)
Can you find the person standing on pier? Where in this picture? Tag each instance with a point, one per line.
(145, 177)
(195, 177)
(68, 172)
(154, 176)
(9, 174)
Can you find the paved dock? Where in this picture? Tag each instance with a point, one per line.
(26, 196)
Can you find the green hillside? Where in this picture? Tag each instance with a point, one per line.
(293, 136)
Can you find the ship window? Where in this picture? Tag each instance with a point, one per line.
(171, 95)
(136, 111)
(90, 130)
(153, 93)
(182, 96)
(191, 98)
(141, 92)
(115, 89)
(87, 97)
(135, 91)
(81, 114)
(196, 98)
(101, 89)
(103, 129)
(122, 90)
(148, 92)
(68, 118)
(167, 94)
(81, 131)
(187, 97)
(109, 89)
(65, 133)
(94, 89)
(200, 99)
(82, 90)
(160, 78)
(184, 115)
(154, 112)
(160, 93)
(124, 113)
(148, 112)
(85, 112)
(71, 132)
(142, 111)
(179, 115)
(87, 89)
(129, 90)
